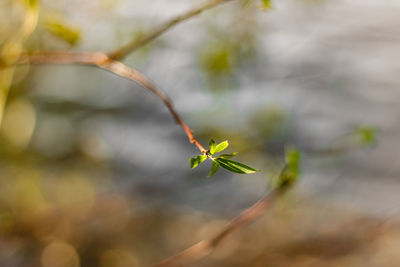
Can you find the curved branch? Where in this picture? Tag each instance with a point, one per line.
(109, 61)
(147, 38)
(205, 247)
(103, 61)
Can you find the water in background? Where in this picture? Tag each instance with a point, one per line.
(306, 73)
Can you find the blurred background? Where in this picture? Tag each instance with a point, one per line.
(94, 171)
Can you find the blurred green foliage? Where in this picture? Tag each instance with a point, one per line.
(366, 135)
(270, 122)
(266, 4)
(290, 172)
(227, 49)
(32, 3)
(65, 32)
(218, 60)
(218, 63)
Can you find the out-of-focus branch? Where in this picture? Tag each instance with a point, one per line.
(287, 177)
(103, 61)
(147, 38)
(203, 248)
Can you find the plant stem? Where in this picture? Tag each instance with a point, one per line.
(203, 248)
(136, 43)
(101, 60)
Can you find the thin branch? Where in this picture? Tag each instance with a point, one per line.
(102, 61)
(147, 38)
(203, 248)
(110, 61)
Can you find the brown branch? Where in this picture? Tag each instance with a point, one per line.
(203, 248)
(102, 61)
(110, 61)
(147, 38)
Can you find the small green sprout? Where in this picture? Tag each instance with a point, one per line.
(291, 170)
(221, 160)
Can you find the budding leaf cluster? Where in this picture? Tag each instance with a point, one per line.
(222, 160)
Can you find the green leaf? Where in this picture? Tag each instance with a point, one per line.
(194, 162)
(214, 168)
(221, 146)
(235, 166)
(227, 156)
(212, 146)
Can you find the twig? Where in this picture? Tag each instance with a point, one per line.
(102, 61)
(147, 38)
(203, 248)
(110, 61)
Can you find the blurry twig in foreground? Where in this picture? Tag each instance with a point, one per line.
(203, 248)
(147, 38)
